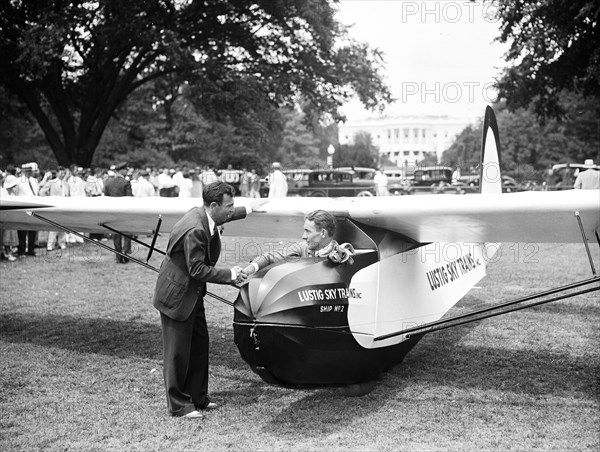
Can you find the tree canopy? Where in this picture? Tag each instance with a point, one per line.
(73, 64)
(554, 46)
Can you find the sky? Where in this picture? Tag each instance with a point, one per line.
(440, 56)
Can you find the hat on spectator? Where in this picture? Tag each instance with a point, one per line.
(276, 165)
(120, 166)
(10, 182)
(589, 163)
(144, 173)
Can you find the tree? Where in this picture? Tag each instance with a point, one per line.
(74, 63)
(299, 147)
(465, 151)
(555, 46)
(362, 152)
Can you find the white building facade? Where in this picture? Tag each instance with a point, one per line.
(406, 140)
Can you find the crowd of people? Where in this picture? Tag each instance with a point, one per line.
(117, 180)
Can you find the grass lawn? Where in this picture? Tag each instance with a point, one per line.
(81, 368)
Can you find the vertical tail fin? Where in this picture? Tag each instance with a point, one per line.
(490, 177)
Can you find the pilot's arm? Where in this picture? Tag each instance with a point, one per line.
(293, 251)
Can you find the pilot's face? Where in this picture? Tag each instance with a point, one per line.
(224, 211)
(316, 239)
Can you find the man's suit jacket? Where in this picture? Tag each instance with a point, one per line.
(188, 266)
(117, 186)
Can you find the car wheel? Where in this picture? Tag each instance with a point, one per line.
(364, 193)
(318, 194)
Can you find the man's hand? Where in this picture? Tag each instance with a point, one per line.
(249, 270)
(241, 276)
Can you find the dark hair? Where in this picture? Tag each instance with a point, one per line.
(214, 192)
(322, 220)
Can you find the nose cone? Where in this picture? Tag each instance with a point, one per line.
(290, 291)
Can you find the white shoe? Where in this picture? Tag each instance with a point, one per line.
(208, 406)
(193, 415)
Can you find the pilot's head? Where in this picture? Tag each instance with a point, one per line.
(319, 228)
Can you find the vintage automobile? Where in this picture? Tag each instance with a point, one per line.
(335, 183)
(398, 182)
(361, 173)
(232, 177)
(470, 184)
(296, 178)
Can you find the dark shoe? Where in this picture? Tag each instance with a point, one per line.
(31, 253)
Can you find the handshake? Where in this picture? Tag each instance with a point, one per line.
(241, 274)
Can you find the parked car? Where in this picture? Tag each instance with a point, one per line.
(510, 185)
(336, 183)
(360, 173)
(398, 182)
(471, 184)
(429, 178)
(459, 188)
(296, 179)
(232, 177)
(400, 188)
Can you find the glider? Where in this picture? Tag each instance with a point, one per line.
(307, 322)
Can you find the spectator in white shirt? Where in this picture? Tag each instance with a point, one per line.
(141, 187)
(75, 184)
(53, 185)
(26, 185)
(278, 186)
(166, 186)
(185, 186)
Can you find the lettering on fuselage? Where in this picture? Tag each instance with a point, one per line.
(329, 295)
(440, 276)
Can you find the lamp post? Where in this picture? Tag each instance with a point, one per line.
(330, 152)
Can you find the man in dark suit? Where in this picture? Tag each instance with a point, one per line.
(192, 252)
(117, 185)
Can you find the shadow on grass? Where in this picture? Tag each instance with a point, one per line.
(122, 339)
(322, 412)
(492, 365)
(84, 335)
(438, 366)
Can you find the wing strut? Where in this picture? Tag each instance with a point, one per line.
(487, 312)
(112, 250)
(156, 230)
(585, 242)
(101, 245)
(133, 239)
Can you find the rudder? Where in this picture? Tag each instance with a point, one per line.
(490, 176)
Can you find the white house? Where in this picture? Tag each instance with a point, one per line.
(406, 139)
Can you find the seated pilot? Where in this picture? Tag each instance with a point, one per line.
(317, 241)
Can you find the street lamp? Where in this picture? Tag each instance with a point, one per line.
(330, 151)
